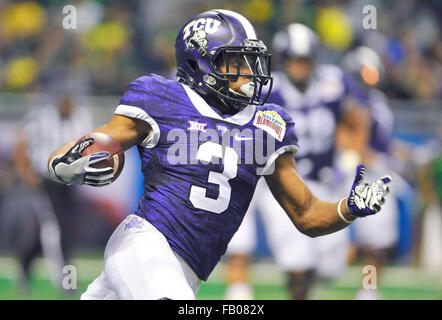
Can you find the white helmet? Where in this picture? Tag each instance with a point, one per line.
(296, 41)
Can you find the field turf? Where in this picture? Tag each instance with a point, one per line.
(397, 282)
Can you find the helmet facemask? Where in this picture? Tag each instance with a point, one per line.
(229, 63)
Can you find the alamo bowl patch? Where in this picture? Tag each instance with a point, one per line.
(271, 122)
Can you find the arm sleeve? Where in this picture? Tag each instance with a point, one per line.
(138, 102)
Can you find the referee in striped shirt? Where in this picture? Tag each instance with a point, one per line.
(49, 206)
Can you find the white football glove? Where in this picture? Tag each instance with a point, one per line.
(72, 168)
(366, 199)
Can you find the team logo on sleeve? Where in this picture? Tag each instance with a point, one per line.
(271, 122)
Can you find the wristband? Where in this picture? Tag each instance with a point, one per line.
(340, 213)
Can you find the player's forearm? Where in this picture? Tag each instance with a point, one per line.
(127, 138)
(309, 214)
(322, 218)
(127, 131)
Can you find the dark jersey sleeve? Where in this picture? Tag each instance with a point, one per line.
(141, 101)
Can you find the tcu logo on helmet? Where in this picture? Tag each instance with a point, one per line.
(209, 25)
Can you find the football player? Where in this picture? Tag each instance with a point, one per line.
(197, 189)
(366, 70)
(318, 97)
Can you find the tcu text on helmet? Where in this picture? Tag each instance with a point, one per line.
(209, 25)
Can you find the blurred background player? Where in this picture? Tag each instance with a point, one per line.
(38, 212)
(316, 96)
(366, 70)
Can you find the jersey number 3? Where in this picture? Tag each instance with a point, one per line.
(206, 152)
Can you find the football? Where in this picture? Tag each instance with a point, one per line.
(104, 142)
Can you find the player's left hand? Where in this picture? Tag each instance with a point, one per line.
(366, 199)
(73, 168)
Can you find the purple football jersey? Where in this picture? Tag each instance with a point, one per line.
(316, 113)
(201, 167)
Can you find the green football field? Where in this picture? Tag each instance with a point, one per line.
(268, 282)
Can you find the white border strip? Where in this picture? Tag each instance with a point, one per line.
(138, 113)
(200, 104)
(269, 167)
(241, 118)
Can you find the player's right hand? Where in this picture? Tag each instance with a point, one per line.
(73, 168)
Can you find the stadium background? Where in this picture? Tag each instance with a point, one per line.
(118, 41)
